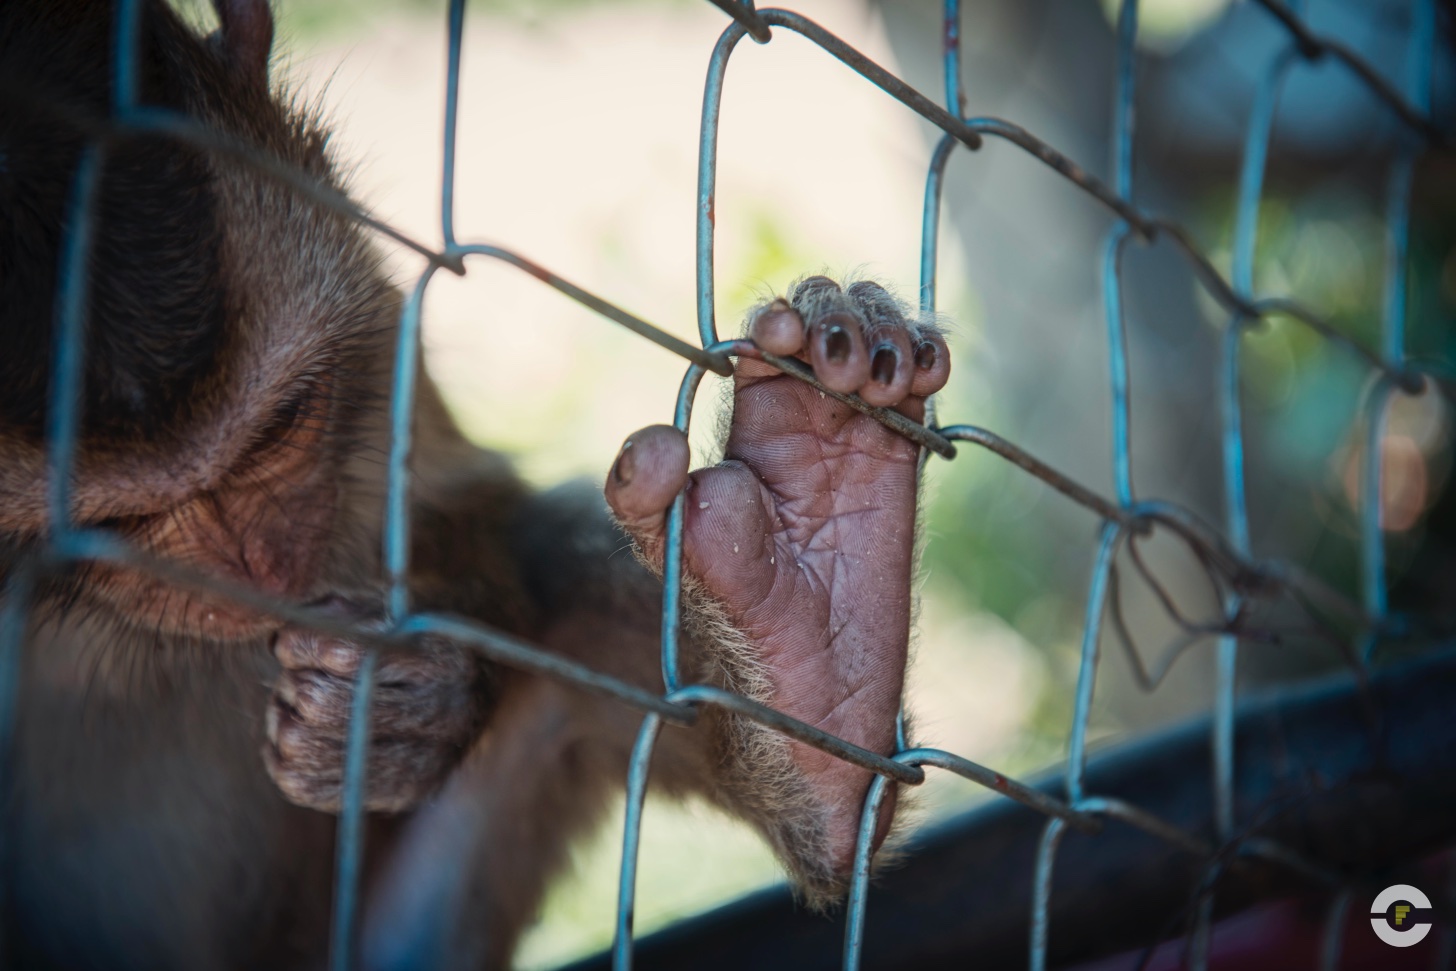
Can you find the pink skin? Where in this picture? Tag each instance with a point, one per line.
(805, 533)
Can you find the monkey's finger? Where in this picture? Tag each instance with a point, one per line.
(649, 472)
(932, 362)
(430, 661)
(837, 352)
(308, 720)
(400, 773)
(443, 710)
(298, 649)
(778, 329)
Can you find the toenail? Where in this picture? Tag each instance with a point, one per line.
(925, 356)
(815, 283)
(884, 364)
(623, 468)
(836, 344)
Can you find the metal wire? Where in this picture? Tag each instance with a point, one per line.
(1237, 575)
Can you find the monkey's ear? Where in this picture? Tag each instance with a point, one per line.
(246, 37)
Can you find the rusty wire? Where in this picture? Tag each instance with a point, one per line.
(1238, 579)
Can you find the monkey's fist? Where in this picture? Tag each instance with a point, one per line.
(804, 536)
(427, 707)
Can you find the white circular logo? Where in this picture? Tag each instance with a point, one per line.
(1406, 931)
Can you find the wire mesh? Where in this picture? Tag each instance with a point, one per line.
(1224, 555)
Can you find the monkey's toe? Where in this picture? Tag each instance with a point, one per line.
(649, 472)
(778, 329)
(399, 774)
(858, 340)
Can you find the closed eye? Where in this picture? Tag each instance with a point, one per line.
(298, 421)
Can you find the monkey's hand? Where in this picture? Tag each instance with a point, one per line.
(427, 707)
(805, 536)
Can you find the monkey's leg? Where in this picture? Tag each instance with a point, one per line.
(472, 864)
(805, 538)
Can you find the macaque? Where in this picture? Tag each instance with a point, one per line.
(178, 757)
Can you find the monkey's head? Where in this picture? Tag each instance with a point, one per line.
(236, 334)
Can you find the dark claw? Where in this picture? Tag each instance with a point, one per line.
(886, 359)
(837, 345)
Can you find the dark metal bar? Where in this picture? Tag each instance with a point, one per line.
(1068, 487)
(1124, 112)
(1082, 818)
(672, 554)
(63, 416)
(1041, 891)
(965, 888)
(637, 773)
(700, 694)
(452, 116)
(744, 13)
(1373, 595)
(1113, 251)
(519, 654)
(222, 145)
(349, 840)
(1373, 583)
(401, 443)
(955, 92)
(716, 362)
(494, 644)
(1065, 167)
(1058, 811)
(930, 223)
(875, 74)
(1314, 47)
(127, 29)
(1107, 544)
(712, 108)
(859, 885)
(891, 419)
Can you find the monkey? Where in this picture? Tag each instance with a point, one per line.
(177, 759)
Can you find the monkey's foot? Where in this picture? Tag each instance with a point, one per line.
(805, 533)
(426, 709)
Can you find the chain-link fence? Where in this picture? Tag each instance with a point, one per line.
(1127, 519)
